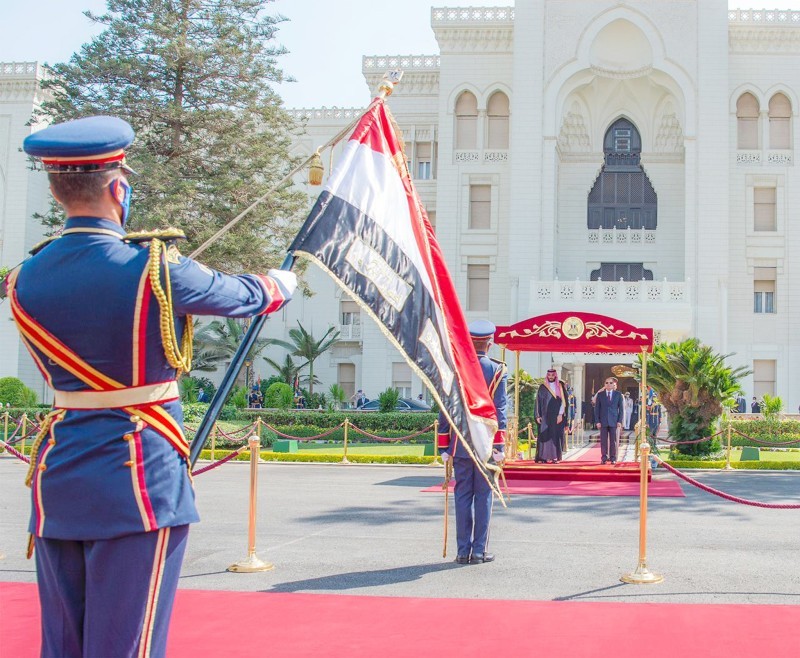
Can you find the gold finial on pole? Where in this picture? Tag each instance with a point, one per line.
(252, 562)
(387, 84)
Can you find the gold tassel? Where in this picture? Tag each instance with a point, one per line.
(315, 170)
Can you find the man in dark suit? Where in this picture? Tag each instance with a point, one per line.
(609, 414)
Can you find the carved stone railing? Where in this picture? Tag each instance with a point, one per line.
(608, 236)
(468, 156)
(465, 15)
(495, 155)
(783, 158)
(764, 16)
(349, 332)
(383, 63)
(636, 292)
(24, 70)
(748, 157)
(341, 113)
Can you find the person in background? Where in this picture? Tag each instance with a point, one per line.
(112, 496)
(755, 407)
(551, 410)
(741, 403)
(359, 399)
(609, 414)
(473, 495)
(627, 403)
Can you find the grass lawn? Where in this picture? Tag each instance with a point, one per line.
(362, 449)
(779, 456)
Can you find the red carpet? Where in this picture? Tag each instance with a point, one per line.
(532, 487)
(583, 466)
(221, 624)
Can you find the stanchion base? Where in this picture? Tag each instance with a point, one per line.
(436, 462)
(345, 460)
(642, 576)
(251, 564)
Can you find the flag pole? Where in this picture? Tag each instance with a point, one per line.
(390, 79)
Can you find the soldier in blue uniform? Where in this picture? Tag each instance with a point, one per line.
(106, 317)
(473, 495)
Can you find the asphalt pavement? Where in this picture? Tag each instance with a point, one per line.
(370, 530)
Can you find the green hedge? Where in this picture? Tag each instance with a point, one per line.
(763, 430)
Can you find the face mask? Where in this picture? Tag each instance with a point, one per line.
(121, 191)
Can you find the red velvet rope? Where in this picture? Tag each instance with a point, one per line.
(721, 494)
(396, 438)
(15, 452)
(302, 438)
(762, 442)
(220, 462)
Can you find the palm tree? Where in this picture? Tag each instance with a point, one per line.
(693, 383)
(308, 347)
(286, 370)
(216, 342)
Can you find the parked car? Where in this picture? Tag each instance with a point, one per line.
(403, 404)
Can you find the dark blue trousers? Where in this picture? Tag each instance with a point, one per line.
(111, 597)
(473, 498)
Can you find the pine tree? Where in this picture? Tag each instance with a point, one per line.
(193, 78)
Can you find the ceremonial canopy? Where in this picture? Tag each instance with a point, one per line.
(571, 331)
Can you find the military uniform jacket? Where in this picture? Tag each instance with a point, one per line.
(495, 374)
(86, 310)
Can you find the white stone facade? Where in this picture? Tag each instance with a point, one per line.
(508, 186)
(676, 70)
(23, 192)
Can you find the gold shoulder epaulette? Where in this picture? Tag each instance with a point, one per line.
(41, 245)
(164, 234)
(498, 362)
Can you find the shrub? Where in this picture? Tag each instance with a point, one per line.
(15, 393)
(279, 396)
(238, 397)
(388, 400)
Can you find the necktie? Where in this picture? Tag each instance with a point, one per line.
(609, 394)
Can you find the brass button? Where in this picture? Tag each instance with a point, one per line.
(135, 419)
(128, 463)
(52, 442)
(42, 467)
(127, 437)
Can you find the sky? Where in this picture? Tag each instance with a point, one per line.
(325, 38)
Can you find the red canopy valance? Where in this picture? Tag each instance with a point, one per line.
(574, 332)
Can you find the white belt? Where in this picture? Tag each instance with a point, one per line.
(124, 397)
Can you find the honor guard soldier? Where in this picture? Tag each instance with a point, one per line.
(473, 495)
(106, 317)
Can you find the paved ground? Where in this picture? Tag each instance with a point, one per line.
(368, 530)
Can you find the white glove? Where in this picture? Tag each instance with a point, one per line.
(446, 457)
(287, 281)
(498, 455)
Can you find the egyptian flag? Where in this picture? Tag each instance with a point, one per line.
(369, 231)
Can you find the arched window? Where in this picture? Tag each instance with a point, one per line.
(466, 122)
(497, 111)
(622, 196)
(747, 121)
(780, 115)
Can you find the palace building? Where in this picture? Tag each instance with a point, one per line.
(633, 159)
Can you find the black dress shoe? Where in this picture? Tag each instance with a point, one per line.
(462, 559)
(481, 557)
(613, 461)
(603, 461)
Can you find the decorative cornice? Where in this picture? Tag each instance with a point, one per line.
(471, 29)
(470, 15)
(619, 74)
(771, 17)
(764, 39)
(414, 83)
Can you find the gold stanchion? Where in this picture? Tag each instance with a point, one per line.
(642, 575)
(530, 442)
(24, 432)
(213, 440)
(252, 562)
(728, 466)
(346, 426)
(436, 461)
